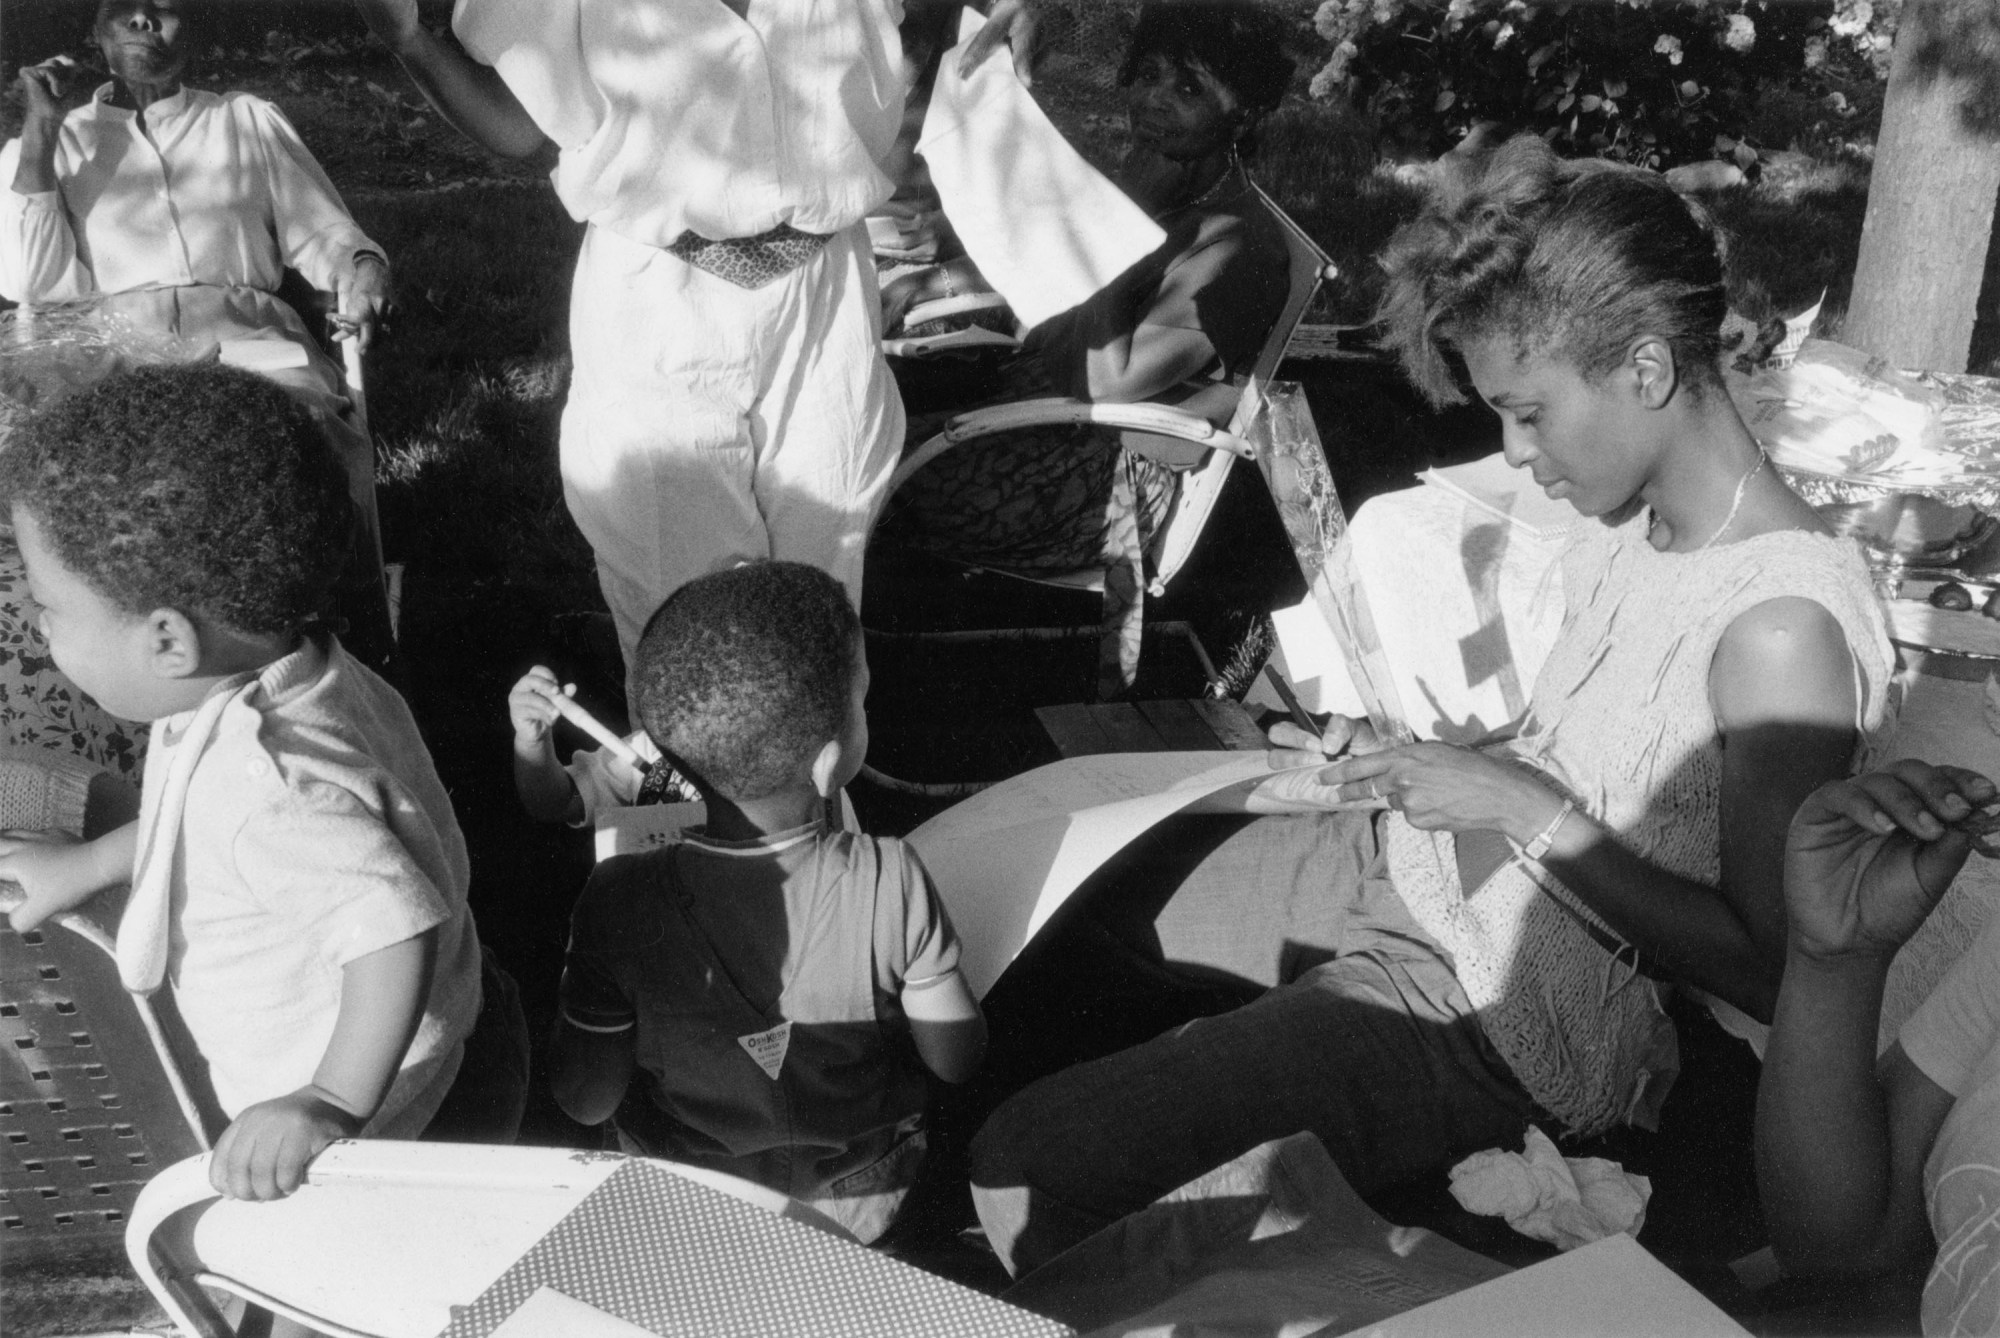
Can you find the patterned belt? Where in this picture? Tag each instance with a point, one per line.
(751, 262)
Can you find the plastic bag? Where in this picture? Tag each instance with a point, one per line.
(1844, 426)
(48, 353)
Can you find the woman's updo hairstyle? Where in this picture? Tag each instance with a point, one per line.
(1240, 42)
(1574, 259)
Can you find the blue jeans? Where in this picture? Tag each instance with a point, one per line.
(1366, 1040)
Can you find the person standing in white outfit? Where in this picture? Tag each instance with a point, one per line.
(729, 400)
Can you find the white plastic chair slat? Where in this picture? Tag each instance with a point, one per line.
(1162, 418)
(941, 308)
(357, 390)
(94, 934)
(318, 1324)
(180, 1186)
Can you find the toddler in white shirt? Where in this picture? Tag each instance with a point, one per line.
(298, 875)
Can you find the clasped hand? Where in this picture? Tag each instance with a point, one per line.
(1866, 859)
(46, 87)
(1436, 786)
(264, 1152)
(531, 705)
(360, 299)
(53, 872)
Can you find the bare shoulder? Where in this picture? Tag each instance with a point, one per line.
(1784, 659)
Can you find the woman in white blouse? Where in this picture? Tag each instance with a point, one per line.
(177, 210)
(151, 187)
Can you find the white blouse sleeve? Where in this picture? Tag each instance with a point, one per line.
(38, 259)
(315, 233)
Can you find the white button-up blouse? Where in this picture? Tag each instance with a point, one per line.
(212, 189)
(679, 115)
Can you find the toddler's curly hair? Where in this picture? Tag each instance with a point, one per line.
(203, 489)
(744, 675)
(1571, 258)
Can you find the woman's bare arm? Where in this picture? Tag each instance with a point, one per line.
(1842, 1137)
(471, 96)
(1783, 688)
(42, 89)
(1140, 337)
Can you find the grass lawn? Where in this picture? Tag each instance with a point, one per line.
(466, 387)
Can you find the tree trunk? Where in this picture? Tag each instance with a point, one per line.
(1930, 199)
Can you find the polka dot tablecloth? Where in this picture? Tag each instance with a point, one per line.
(676, 1257)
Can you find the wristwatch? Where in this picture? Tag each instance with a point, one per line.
(1546, 837)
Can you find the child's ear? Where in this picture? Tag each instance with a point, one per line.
(173, 644)
(826, 768)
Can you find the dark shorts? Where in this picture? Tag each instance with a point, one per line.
(490, 1093)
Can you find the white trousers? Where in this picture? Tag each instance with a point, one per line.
(709, 424)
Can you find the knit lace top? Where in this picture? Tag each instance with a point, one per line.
(1621, 720)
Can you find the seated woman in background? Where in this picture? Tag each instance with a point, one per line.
(1201, 77)
(1481, 954)
(178, 210)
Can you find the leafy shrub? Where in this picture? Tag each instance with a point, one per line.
(1657, 82)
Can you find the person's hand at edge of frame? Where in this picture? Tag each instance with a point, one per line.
(1866, 859)
(46, 89)
(393, 22)
(1018, 23)
(361, 300)
(1342, 736)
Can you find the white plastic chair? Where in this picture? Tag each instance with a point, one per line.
(1175, 435)
(97, 1096)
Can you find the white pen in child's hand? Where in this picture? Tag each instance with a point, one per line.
(566, 707)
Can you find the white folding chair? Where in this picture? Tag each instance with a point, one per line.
(1175, 435)
(96, 1096)
(1159, 430)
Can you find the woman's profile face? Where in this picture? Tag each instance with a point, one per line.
(1180, 111)
(144, 41)
(1578, 437)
